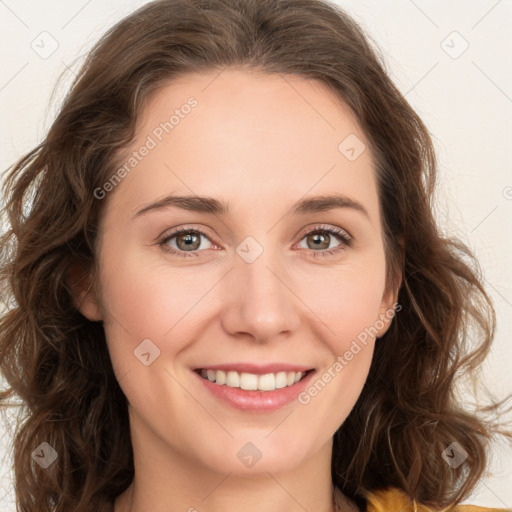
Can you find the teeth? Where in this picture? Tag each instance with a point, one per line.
(281, 380)
(251, 381)
(248, 381)
(267, 382)
(233, 380)
(220, 377)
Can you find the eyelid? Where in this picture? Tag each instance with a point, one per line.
(171, 234)
(341, 234)
(168, 233)
(313, 228)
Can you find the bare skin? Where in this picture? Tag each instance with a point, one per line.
(259, 143)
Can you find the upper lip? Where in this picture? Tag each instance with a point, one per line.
(257, 369)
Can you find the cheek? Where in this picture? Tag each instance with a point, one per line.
(346, 300)
(149, 299)
(349, 309)
(144, 302)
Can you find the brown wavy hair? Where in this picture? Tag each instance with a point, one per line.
(56, 361)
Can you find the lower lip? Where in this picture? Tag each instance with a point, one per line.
(256, 401)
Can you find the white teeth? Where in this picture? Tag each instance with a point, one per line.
(281, 380)
(251, 381)
(233, 380)
(220, 377)
(267, 382)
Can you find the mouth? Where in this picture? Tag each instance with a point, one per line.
(253, 388)
(253, 381)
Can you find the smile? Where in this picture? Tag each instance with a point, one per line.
(252, 381)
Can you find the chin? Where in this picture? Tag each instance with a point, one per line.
(255, 458)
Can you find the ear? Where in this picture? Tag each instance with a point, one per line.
(83, 294)
(389, 306)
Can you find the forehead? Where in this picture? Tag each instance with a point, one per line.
(246, 135)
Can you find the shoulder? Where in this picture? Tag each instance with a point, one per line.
(395, 500)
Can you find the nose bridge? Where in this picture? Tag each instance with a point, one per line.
(260, 302)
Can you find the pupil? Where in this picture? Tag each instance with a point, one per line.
(189, 239)
(318, 238)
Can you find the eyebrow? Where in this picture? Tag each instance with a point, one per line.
(213, 206)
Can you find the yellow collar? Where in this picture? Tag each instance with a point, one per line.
(395, 500)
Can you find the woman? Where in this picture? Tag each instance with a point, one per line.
(230, 291)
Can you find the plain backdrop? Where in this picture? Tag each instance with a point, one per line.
(451, 60)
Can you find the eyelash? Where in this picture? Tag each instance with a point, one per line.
(341, 235)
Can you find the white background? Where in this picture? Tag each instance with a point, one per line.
(466, 103)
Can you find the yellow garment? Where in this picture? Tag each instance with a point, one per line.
(395, 500)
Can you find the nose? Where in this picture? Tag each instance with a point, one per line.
(259, 300)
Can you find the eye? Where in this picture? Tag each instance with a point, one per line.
(321, 236)
(186, 242)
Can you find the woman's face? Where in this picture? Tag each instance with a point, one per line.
(259, 288)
